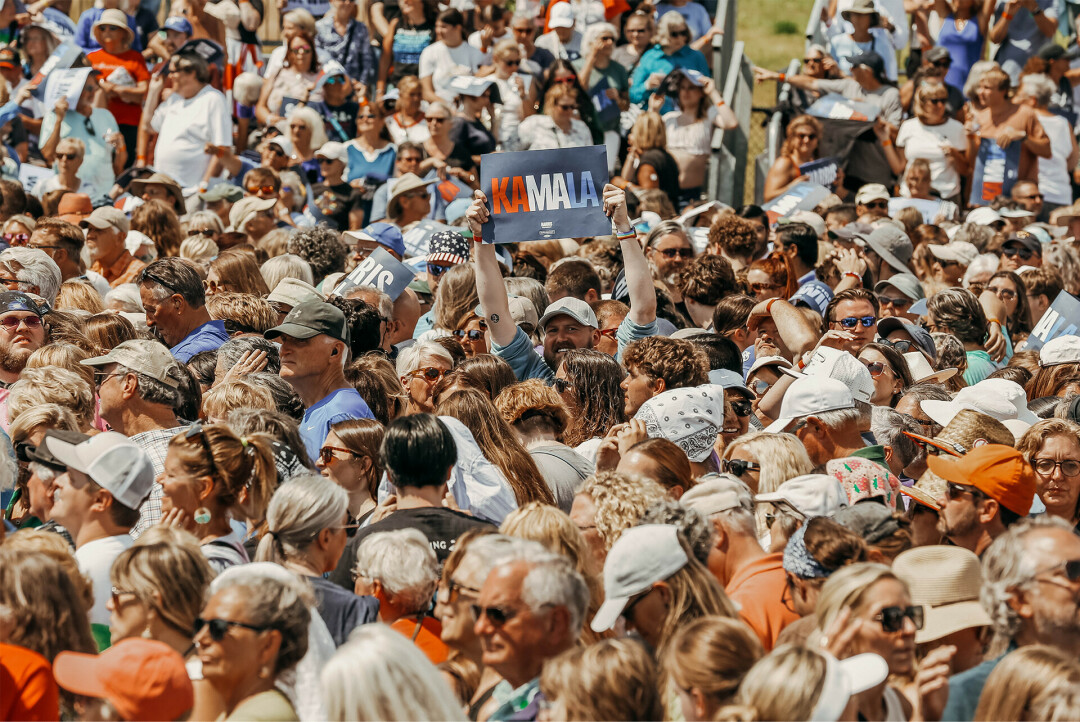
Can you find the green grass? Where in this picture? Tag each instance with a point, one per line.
(759, 21)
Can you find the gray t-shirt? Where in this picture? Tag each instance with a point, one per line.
(886, 97)
(563, 469)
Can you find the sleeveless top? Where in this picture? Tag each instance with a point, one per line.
(964, 46)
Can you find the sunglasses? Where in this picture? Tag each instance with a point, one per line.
(570, 107)
(741, 407)
(760, 386)
(738, 467)
(568, 79)
(496, 615)
(255, 190)
(277, 151)
(117, 593)
(812, 60)
(1070, 567)
(943, 63)
(302, 50)
(100, 377)
(435, 119)
(1023, 253)
(676, 252)
(366, 116)
(937, 101)
(67, 156)
(806, 136)
(561, 385)
(324, 161)
(219, 627)
(892, 618)
(326, 453)
(1046, 467)
(898, 302)
(512, 63)
(208, 232)
(875, 368)
(10, 323)
(473, 335)
(882, 204)
(1006, 294)
(853, 321)
(609, 332)
(903, 345)
(336, 80)
(679, 33)
(434, 270)
(955, 491)
(430, 373)
(17, 239)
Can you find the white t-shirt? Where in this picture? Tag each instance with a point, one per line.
(95, 559)
(184, 127)
(686, 136)
(441, 63)
(539, 132)
(417, 132)
(1053, 175)
(929, 142)
(474, 40)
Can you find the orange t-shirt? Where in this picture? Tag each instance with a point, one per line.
(105, 63)
(429, 638)
(30, 691)
(758, 587)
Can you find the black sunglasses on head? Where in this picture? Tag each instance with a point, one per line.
(738, 467)
(219, 627)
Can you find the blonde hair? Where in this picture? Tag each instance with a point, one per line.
(239, 394)
(287, 265)
(76, 294)
(311, 118)
(785, 684)
(198, 249)
(669, 21)
(846, 588)
(66, 356)
(51, 416)
(648, 131)
(1026, 679)
(53, 546)
(456, 296)
(781, 456)
(168, 572)
(38, 386)
(614, 679)
(247, 309)
(620, 501)
(712, 655)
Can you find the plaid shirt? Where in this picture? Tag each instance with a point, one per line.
(353, 50)
(156, 445)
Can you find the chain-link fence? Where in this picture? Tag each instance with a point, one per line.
(755, 146)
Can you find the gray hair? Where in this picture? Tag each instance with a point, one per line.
(1064, 258)
(404, 563)
(383, 303)
(552, 581)
(976, 235)
(838, 418)
(300, 509)
(153, 391)
(490, 550)
(412, 357)
(669, 21)
(1038, 87)
(127, 295)
(229, 353)
(208, 218)
(888, 426)
(594, 32)
(666, 228)
(983, 263)
(927, 391)
(287, 265)
(1007, 565)
(33, 267)
(690, 523)
(277, 599)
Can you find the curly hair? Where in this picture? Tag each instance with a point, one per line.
(620, 501)
(242, 312)
(364, 322)
(322, 248)
(733, 235)
(56, 385)
(707, 279)
(239, 394)
(679, 363)
(534, 401)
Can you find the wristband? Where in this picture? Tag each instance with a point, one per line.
(994, 320)
(1007, 16)
(801, 364)
(140, 159)
(768, 306)
(782, 78)
(720, 103)
(886, 143)
(628, 236)
(853, 275)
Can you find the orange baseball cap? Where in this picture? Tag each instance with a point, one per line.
(998, 471)
(143, 679)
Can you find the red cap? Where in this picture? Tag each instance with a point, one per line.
(143, 679)
(74, 207)
(999, 471)
(8, 58)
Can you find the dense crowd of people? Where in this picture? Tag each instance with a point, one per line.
(778, 462)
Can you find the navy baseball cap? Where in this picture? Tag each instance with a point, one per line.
(179, 24)
(18, 301)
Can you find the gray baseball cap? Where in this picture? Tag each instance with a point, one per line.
(575, 308)
(906, 283)
(113, 461)
(893, 245)
(144, 356)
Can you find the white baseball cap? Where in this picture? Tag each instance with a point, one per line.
(642, 556)
(112, 461)
(1002, 399)
(1061, 350)
(845, 678)
(811, 395)
(810, 494)
(962, 252)
(779, 361)
(840, 365)
(561, 16)
(333, 150)
(983, 216)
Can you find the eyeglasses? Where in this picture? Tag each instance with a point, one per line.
(1023, 253)
(430, 373)
(1005, 294)
(676, 252)
(101, 377)
(756, 288)
(496, 615)
(853, 321)
(875, 368)
(955, 491)
(255, 190)
(473, 335)
(208, 232)
(326, 453)
(454, 590)
(302, 50)
(561, 385)
(898, 302)
(218, 627)
(1046, 467)
(434, 270)
(67, 156)
(435, 119)
(11, 323)
(892, 618)
(738, 467)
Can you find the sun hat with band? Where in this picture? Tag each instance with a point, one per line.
(945, 581)
(406, 183)
(641, 557)
(1000, 472)
(142, 679)
(112, 18)
(967, 430)
(159, 179)
(922, 371)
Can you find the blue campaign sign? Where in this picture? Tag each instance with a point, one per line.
(538, 195)
(803, 196)
(996, 170)
(1061, 319)
(381, 271)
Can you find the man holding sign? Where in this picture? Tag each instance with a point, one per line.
(569, 323)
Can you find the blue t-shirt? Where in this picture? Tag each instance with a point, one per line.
(207, 337)
(339, 405)
(966, 688)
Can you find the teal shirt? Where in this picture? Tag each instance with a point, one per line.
(979, 366)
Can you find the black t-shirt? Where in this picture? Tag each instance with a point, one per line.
(667, 172)
(341, 610)
(440, 525)
(335, 202)
(470, 138)
(339, 116)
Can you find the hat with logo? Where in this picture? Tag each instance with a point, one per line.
(639, 558)
(1002, 399)
(142, 679)
(310, 319)
(223, 192)
(112, 461)
(333, 150)
(146, 357)
(864, 479)
(893, 245)
(905, 283)
(74, 207)
(386, 235)
(178, 24)
(575, 308)
(689, 417)
(1060, 350)
(814, 295)
(812, 395)
(293, 292)
(871, 191)
(729, 381)
(1001, 472)
(945, 581)
(840, 365)
(245, 210)
(1027, 239)
(448, 247)
(810, 495)
(107, 217)
(960, 252)
(561, 15)
(18, 301)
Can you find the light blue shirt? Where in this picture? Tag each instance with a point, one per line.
(207, 337)
(338, 405)
(96, 171)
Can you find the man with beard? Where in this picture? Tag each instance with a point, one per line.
(175, 304)
(989, 489)
(569, 323)
(106, 228)
(22, 331)
(668, 249)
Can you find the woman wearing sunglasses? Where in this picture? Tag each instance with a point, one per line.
(1007, 286)
(419, 368)
(889, 371)
(350, 458)
(873, 600)
(518, 98)
(212, 476)
(771, 277)
(557, 126)
(253, 629)
(307, 525)
(801, 146)
(298, 73)
(471, 333)
(672, 50)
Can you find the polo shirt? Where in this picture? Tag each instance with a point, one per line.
(338, 405)
(758, 588)
(207, 337)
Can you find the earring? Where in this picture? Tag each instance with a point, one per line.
(202, 515)
(264, 673)
(146, 632)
